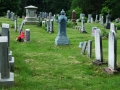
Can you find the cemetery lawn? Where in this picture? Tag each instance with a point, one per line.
(41, 65)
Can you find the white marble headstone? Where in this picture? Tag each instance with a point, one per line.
(98, 45)
(112, 53)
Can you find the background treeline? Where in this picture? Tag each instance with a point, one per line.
(55, 6)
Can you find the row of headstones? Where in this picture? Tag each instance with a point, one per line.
(11, 15)
(6, 58)
(112, 47)
(49, 24)
(90, 18)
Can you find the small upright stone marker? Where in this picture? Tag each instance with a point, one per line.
(98, 48)
(112, 54)
(62, 39)
(74, 17)
(27, 35)
(83, 26)
(89, 48)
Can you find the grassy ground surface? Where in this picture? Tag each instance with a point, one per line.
(40, 65)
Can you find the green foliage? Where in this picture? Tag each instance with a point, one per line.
(39, 24)
(105, 34)
(70, 24)
(105, 10)
(118, 27)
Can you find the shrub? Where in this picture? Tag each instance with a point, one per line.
(70, 24)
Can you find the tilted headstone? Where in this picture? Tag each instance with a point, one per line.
(107, 25)
(6, 77)
(82, 30)
(112, 54)
(80, 45)
(84, 47)
(27, 35)
(98, 48)
(89, 48)
(62, 39)
(21, 26)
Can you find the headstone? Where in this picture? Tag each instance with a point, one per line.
(92, 20)
(27, 35)
(101, 20)
(83, 26)
(6, 32)
(51, 26)
(6, 77)
(31, 16)
(74, 17)
(113, 28)
(21, 26)
(112, 54)
(84, 47)
(96, 19)
(8, 14)
(93, 30)
(107, 25)
(48, 25)
(98, 48)
(100, 16)
(50, 15)
(89, 18)
(15, 23)
(89, 48)
(62, 39)
(82, 15)
(80, 45)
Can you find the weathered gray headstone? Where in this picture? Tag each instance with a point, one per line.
(113, 28)
(21, 26)
(48, 24)
(89, 48)
(96, 19)
(89, 18)
(6, 77)
(82, 15)
(84, 47)
(112, 54)
(98, 48)
(51, 26)
(62, 39)
(27, 35)
(83, 26)
(107, 25)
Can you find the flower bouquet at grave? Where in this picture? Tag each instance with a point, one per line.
(21, 37)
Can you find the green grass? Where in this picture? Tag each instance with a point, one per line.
(40, 65)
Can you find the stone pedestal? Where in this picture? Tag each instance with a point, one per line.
(31, 17)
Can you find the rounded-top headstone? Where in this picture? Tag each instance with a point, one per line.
(31, 7)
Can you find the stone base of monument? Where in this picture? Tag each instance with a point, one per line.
(82, 31)
(10, 55)
(51, 31)
(7, 82)
(61, 40)
(97, 62)
(12, 64)
(107, 26)
(110, 71)
(31, 22)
